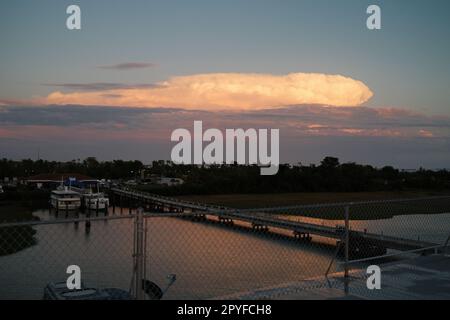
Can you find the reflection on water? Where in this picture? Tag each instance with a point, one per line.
(208, 259)
(433, 228)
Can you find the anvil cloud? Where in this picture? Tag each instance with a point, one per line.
(228, 91)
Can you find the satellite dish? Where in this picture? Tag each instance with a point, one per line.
(152, 290)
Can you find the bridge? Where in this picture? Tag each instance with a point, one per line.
(361, 243)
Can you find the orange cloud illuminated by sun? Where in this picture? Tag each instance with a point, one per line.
(228, 91)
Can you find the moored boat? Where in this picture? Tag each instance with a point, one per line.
(65, 199)
(95, 201)
(59, 291)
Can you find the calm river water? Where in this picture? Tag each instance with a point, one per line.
(208, 259)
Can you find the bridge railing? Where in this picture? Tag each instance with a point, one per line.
(423, 219)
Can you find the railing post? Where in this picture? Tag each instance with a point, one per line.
(444, 249)
(347, 238)
(139, 255)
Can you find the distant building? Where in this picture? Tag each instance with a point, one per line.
(409, 170)
(170, 181)
(52, 180)
(167, 181)
(11, 182)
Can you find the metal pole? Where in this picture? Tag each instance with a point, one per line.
(347, 232)
(338, 246)
(139, 294)
(145, 250)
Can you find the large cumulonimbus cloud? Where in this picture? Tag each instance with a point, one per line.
(228, 91)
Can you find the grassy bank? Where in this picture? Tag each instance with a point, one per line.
(15, 211)
(18, 206)
(34, 199)
(243, 201)
(16, 238)
(357, 212)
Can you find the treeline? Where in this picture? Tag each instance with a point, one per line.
(329, 176)
(117, 169)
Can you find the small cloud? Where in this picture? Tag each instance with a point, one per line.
(426, 133)
(70, 115)
(128, 66)
(114, 96)
(9, 102)
(351, 130)
(100, 86)
(316, 126)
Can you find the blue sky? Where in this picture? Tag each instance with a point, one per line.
(405, 65)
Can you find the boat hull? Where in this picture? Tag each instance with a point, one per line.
(65, 205)
(94, 204)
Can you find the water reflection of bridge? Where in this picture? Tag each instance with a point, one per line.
(361, 243)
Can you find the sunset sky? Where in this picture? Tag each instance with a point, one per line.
(139, 69)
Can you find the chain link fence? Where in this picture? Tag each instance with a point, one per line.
(220, 252)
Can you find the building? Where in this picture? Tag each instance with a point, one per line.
(170, 181)
(166, 181)
(53, 180)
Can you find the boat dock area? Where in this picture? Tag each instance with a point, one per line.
(421, 278)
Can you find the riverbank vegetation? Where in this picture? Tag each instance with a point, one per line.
(245, 201)
(17, 205)
(15, 238)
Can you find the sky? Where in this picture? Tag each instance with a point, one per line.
(139, 69)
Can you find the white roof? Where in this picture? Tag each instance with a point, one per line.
(65, 192)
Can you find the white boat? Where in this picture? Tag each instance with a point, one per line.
(94, 201)
(65, 199)
(59, 291)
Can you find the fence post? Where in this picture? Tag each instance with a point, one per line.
(347, 238)
(139, 254)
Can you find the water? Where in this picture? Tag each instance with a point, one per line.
(209, 259)
(433, 228)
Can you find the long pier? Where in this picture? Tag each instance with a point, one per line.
(361, 243)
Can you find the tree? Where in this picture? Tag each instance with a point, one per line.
(330, 162)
